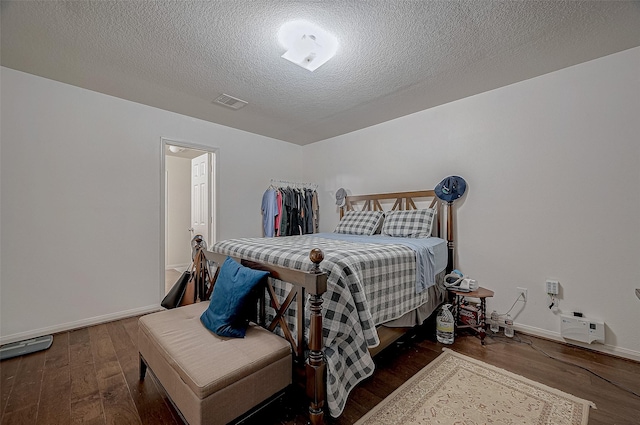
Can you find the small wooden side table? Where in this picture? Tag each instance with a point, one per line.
(482, 294)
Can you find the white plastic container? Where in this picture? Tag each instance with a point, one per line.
(508, 326)
(445, 325)
(494, 324)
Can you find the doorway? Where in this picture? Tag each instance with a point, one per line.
(188, 206)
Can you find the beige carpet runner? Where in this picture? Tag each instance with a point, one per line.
(456, 389)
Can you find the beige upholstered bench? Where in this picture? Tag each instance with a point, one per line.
(212, 379)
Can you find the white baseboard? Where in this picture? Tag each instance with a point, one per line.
(177, 266)
(543, 333)
(63, 327)
(602, 348)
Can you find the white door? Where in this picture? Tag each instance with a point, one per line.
(200, 197)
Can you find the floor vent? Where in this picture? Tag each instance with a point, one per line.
(230, 101)
(25, 347)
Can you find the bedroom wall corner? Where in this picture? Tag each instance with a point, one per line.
(552, 169)
(80, 209)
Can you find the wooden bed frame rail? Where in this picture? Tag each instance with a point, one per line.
(313, 282)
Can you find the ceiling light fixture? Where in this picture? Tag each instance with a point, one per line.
(176, 149)
(308, 45)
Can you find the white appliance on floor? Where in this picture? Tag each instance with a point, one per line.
(581, 329)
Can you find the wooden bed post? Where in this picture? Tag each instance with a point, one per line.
(450, 242)
(314, 282)
(316, 364)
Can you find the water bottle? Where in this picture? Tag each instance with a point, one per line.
(445, 325)
(494, 324)
(508, 326)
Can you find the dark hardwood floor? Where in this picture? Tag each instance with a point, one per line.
(90, 376)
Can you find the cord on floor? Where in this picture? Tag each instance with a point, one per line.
(519, 340)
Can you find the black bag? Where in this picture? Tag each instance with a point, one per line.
(175, 295)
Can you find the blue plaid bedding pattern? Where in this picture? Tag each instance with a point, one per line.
(367, 284)
(360, 222)
(409, 224)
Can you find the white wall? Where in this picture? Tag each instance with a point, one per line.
(80, 182)
(554, 188)
(178, 213)
(551, 165)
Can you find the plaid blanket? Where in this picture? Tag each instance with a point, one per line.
(367, 284)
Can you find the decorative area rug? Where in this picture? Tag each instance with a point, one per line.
(456, 389)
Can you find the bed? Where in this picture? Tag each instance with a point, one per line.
(365, 286)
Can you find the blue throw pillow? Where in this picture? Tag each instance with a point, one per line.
(232, 288)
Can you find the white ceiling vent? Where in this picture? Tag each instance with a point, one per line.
(230, 101)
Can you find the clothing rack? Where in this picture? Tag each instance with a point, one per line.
(294, 185)
(290, 208)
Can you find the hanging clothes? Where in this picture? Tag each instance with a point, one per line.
(278, 217)
(315, 207)
(269, 212)
(288, 210)
(294, 219)
(308, 211)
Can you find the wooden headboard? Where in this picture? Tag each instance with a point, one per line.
(401, 201)
(407, 201)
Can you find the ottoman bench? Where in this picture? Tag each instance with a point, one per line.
(212, 379)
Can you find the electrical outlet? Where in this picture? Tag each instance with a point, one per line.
(553, 287)
(522, 292)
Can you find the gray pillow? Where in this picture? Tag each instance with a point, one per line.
(409, 224)
(360, 222)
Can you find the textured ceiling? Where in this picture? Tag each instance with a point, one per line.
(395, 57)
